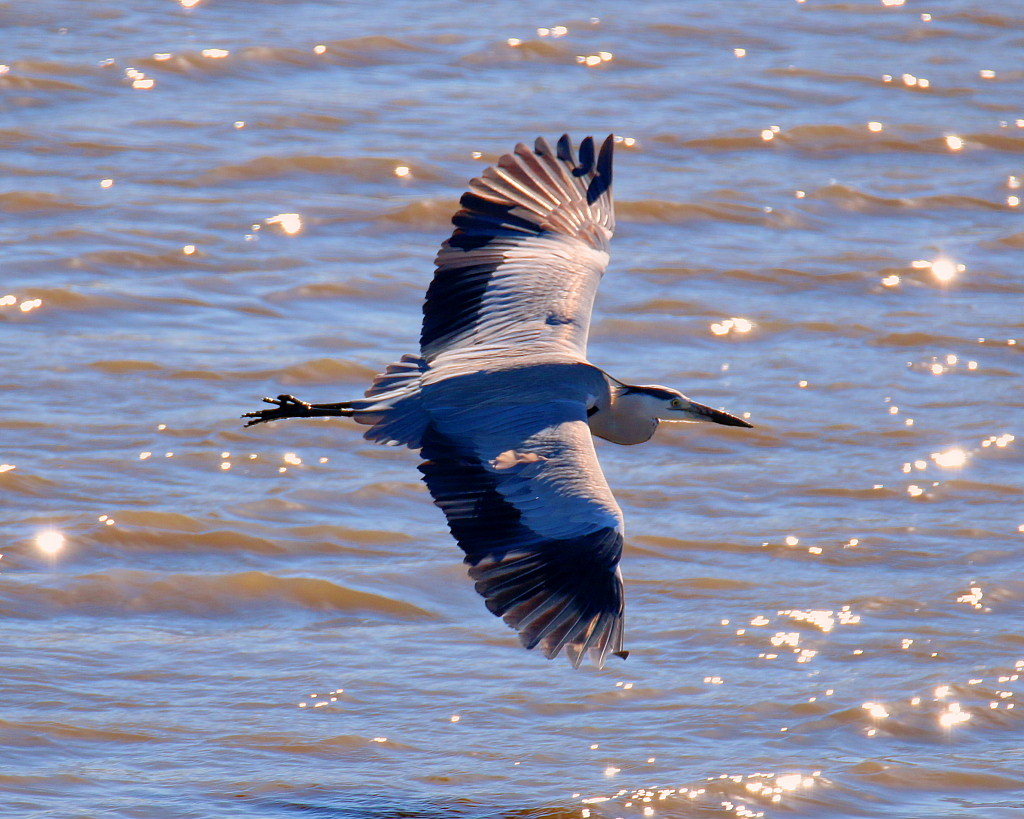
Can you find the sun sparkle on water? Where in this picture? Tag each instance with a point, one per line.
(290, 223)
(50, 542)
(951, 458)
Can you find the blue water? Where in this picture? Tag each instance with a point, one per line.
(179, 661)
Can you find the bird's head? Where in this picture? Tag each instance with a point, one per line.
(666, 404)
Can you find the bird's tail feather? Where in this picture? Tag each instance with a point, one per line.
(392, 407)
(403, 376)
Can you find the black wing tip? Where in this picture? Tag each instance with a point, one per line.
(621, 654)
(587, 162)
(604, 158)
(586, 155)
(598, 168)
(564, 149)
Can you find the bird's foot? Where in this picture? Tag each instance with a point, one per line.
(285, 406)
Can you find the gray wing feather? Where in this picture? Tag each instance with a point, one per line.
(529, 248)
(525, 498)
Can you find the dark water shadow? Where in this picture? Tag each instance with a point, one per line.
(393, 806)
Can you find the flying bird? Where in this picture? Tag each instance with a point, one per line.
(502, 403)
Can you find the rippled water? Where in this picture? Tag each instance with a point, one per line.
(825, 613)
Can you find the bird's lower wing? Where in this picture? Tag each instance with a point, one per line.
(525, 498)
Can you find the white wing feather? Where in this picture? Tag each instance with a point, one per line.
(522, 267)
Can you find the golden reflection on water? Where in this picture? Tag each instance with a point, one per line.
(734, 324)
(954, 715)
(972, 597)
(736, 794)
(950, 459)
(50, 542)
(876, 710)
(290, 223)
(139, 79)
(999, 441)
(592, 60)
(944, 270)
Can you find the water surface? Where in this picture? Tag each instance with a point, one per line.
(819, 224)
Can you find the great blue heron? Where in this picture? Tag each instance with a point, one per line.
(502, 402)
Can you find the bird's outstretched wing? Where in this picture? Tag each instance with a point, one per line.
(529, 248)
(526, 500)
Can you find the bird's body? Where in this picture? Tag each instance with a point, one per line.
(502, 403)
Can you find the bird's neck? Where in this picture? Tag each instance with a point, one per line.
(621, 418)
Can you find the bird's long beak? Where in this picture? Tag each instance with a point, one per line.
(701, 412)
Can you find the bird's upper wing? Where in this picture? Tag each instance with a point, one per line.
(526, 500)
(529, 248)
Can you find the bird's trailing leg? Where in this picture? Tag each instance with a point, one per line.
(288, 406)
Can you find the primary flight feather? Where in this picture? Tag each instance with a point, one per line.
(502, 403)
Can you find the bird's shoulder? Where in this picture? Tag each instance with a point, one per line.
(514, 377)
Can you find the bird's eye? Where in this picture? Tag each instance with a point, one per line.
(677, 403)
